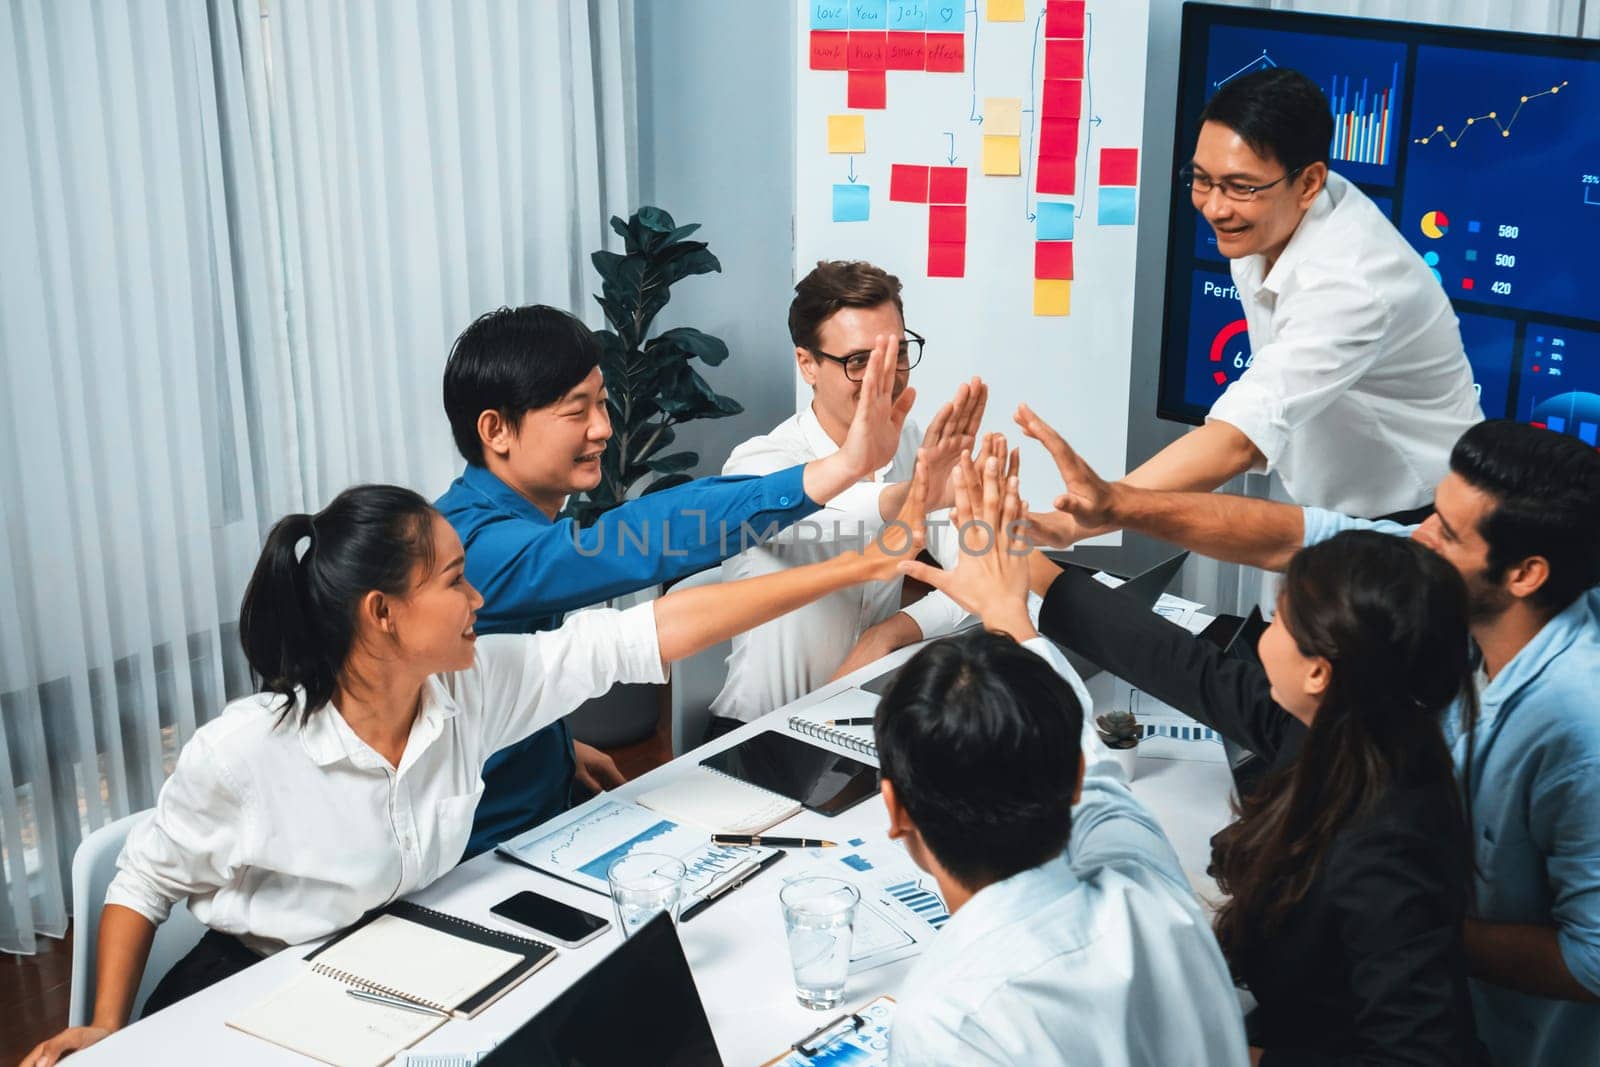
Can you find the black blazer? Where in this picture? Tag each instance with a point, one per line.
(1369, 967)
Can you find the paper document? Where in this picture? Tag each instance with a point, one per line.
(900, 910)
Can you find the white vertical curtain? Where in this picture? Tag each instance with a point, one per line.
(236, 240)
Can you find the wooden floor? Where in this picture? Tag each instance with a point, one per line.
(35, 990)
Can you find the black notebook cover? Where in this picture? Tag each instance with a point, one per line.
(535, 954)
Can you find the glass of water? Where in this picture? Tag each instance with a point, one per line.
(643, 884)
(820, 916)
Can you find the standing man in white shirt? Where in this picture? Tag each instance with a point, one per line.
(1358, 385)
(838, 309)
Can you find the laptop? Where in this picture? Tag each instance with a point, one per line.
(638, 1005)
(1146, 588)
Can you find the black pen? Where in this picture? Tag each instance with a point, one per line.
(725, 888)
(771, 842)
(860, 720)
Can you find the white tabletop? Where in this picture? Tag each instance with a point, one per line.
(736, 948)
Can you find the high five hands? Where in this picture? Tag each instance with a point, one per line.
(1087, 506)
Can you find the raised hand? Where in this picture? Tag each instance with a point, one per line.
(1086, 508)
(903, 537)
(950, 436)
(874, 434)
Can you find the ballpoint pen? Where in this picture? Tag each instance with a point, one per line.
(860, 720)
(395, 1002)
(771, 842)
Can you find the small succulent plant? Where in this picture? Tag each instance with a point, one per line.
(1118, 729)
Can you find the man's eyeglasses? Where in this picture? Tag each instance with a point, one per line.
(1202, 184)
(855, 363)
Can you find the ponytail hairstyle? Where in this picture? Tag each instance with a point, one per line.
(298, 620)
(1391, 618)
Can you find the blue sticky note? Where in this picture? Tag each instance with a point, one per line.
(1054, 222)
(850, 203)
(830, 14)
(868, 14)
(908, 15)
(945, 16)
(1116, 206)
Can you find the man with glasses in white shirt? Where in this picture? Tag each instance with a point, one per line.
(1358, 384)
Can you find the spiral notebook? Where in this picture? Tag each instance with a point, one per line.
(847, 704)
(406, 952)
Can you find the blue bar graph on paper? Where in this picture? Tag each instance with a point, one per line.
(926, 905)
(597, 867)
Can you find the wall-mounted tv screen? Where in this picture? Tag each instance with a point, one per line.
(1484, 150)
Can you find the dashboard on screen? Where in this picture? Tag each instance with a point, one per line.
(1482, 148)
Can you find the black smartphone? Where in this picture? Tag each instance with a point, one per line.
(562, 923)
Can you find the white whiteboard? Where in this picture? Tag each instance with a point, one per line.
(1072, 369)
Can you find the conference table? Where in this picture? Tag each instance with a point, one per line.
(736, 947)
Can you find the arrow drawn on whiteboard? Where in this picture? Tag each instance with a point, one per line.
(952, 152)
(852, 174)
(1033, 67)
(972, 110)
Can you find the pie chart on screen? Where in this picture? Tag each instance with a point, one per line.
(1435, 224)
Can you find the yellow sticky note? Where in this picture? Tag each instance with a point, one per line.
(1002, 155)
(1005, 10)
(1052, 297)
(1002, 115)
(847, 133)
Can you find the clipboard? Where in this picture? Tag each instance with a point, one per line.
(861, 1035)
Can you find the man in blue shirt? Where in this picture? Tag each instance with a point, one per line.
(527, 408)
(1519, 516)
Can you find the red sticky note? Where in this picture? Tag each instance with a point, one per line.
(947, 259)
(1058, 137)
(908, 184)
(1063, 18)
(1063, 98)
(829, 49)
(947, 225)
(1058, 175)
(1062, 59)
(1052, 259)
(1119, 166)
(947, 185)
(866, 89)
(947, 53)
(907, 51)
(867, 50)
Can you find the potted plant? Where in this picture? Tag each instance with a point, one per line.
(1120, 731)
(651, 389)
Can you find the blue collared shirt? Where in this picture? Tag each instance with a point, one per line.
(1535, 809)
(531, 571)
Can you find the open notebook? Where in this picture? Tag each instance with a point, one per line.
(407, 952)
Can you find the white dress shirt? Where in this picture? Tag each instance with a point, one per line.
(1358, 385)
(1101, 957)
(787, 658)
(279, 834)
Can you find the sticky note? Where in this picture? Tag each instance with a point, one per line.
(947, 225)
(866, 89)
(850, 203)
(1002, 115)
(1119, 166)
(1002, 156)
(847, 133)
(1063, 18)
(908, 15)
(946, 53)
(1116, 207)
(868, 14)
(907, 51)
(1057, 175)
(1058, 137)
(947, 260)
(908, 184)
(1053, 222)
(1004, 10)
(867, 50)
(830, 14)
(829, 51)
(947, 17)
(1051, 297)
(1063, 59)
(1052, 259)
(1062, 98)
(947, 185)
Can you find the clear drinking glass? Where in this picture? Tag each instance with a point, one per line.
(642, 884)
(820, 916)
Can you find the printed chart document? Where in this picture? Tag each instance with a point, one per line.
(901, 908)
(583, 846)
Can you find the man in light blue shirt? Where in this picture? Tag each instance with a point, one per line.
(1074, 937)
(1519, 516)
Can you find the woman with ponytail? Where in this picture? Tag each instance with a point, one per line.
(353, 777)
